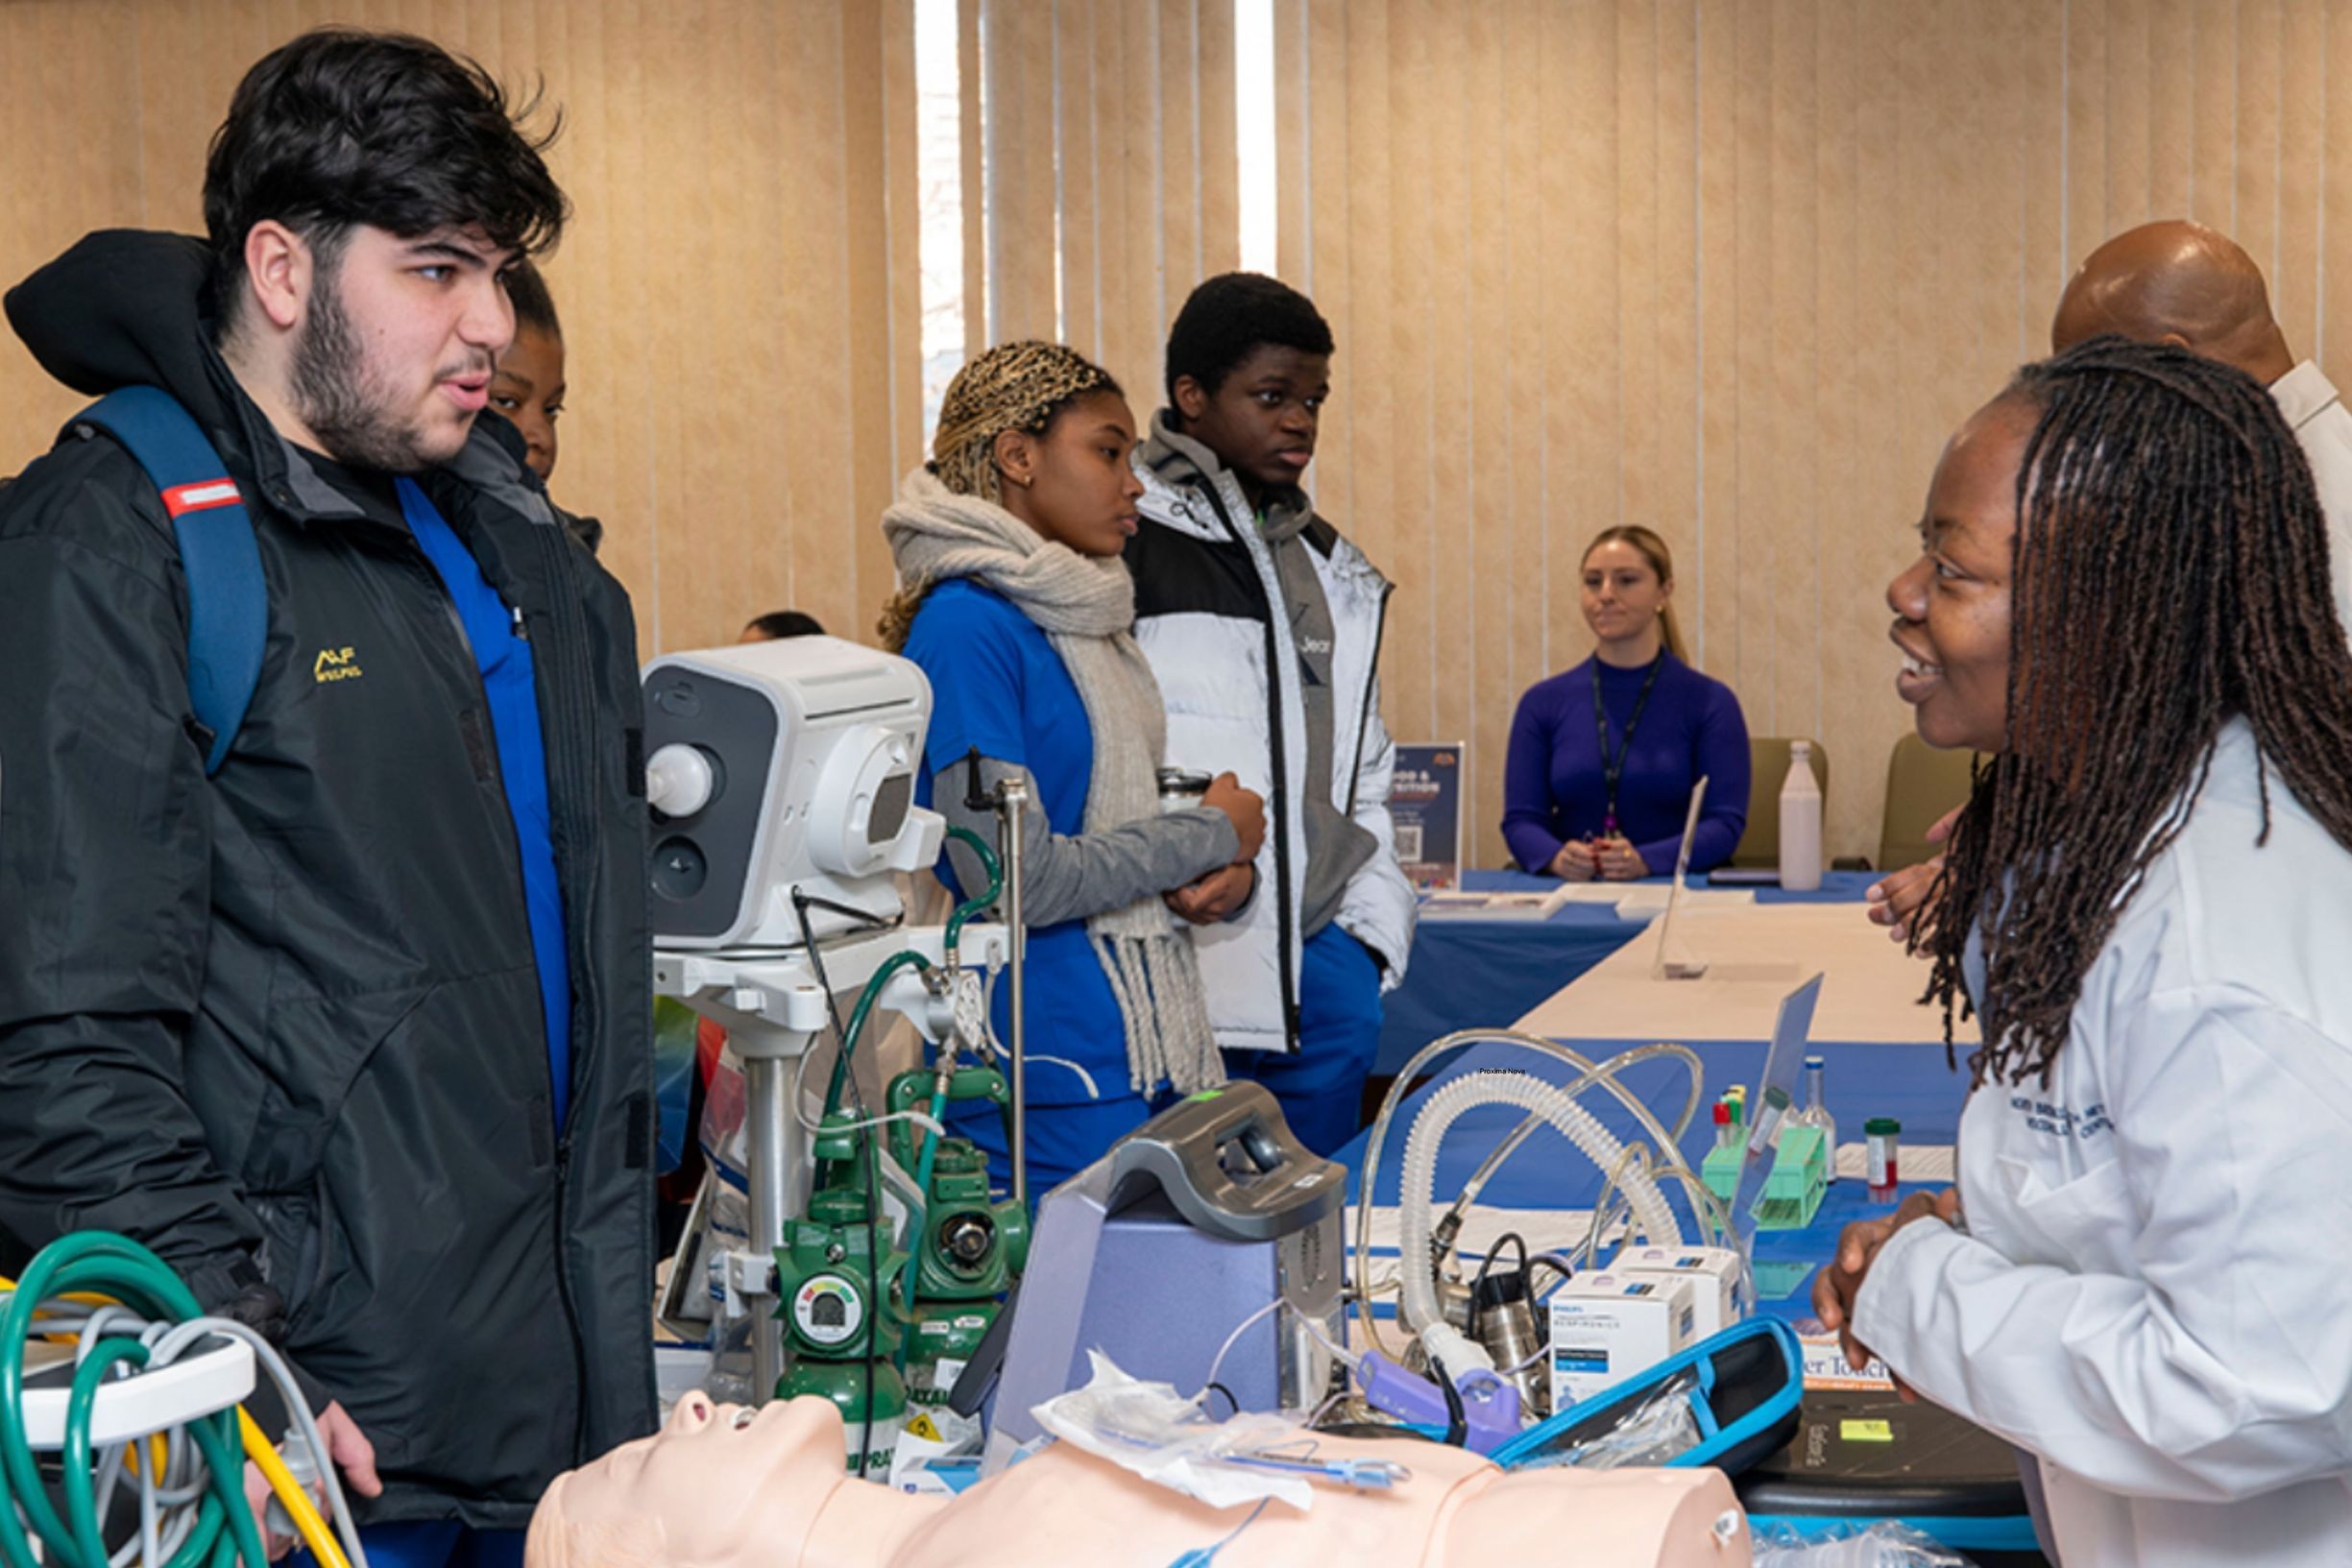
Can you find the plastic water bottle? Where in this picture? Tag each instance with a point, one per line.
(1816, 1112)
(1800, 822)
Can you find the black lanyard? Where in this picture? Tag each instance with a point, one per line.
(1612, 770)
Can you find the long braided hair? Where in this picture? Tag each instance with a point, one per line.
(2169, 572)
(1014, 386)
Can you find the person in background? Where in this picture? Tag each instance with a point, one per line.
(1019, 610)
(2122, 597)
(2181, 283)
(350, 1030)
(1264, 626)
(1597, 782)
(528, 389)
(779, 624)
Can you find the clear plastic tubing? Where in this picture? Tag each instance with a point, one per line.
(1603, 1075)
(1415, 1191)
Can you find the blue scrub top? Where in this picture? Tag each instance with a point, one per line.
(503, 655)
(997, 684)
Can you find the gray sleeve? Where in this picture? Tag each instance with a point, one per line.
(1071, 877)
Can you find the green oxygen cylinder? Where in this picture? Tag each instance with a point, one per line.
(835, 1275)
(967, 1252)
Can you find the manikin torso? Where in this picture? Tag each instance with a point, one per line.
(723, 1487)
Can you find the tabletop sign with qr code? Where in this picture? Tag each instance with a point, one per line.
(1426, 805)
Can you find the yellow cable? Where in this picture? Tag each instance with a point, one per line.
(306, 1521)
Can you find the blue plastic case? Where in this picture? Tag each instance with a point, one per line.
(1750, 1381)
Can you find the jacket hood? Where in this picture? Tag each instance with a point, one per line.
(1183, 460)
(124, 307)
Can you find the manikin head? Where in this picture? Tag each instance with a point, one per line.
(2180, 283)
(718, 1486)
(364, 199)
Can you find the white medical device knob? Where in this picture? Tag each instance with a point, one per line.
(679, 779)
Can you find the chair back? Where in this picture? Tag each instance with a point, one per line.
(1922, 784)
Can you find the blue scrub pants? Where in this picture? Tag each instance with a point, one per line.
(1321, 1086)
(431, 1543)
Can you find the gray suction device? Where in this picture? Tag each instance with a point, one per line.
(1155, 1253)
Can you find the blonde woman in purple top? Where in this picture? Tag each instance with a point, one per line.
(1603, 758)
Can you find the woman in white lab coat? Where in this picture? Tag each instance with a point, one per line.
(2146, 1279)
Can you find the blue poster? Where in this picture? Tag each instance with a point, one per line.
(1426, 805)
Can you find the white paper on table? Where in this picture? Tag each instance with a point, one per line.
(1913, 1162)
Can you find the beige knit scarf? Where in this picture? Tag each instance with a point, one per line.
(1087, 608)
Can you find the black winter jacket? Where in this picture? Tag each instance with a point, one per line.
(284, 1025)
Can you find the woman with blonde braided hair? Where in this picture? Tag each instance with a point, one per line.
(1017, 606)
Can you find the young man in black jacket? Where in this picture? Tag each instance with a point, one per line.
(353, 1032)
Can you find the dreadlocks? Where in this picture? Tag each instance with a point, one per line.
(2169, 572)
(1014, 386)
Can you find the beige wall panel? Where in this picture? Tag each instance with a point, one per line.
(1177, 86)
(1365, 338)
(2261, 80)
(1293, 160)
(904, 195)
(2294, 278)
(1458, 643)
(1789, 538)
(972, 144)
(2086, 145)
(1018, 55)
(1585, 489)
(2214, 136)
(1483, 520)
(1219, 139)
(1756, 595)
(2172, 108)
(1718, 645)
(2042, 168)
(1329, 275)
(1080, 198)
(1634, 26)
(1400, 528)
(1530, 567)
(878, 122)
(2333, 340)
(1152, 299)
(1843, 615)
(1675, 311)
(72, 168)
(1122, 197)
(2127, 115)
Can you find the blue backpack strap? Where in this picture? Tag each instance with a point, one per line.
(228, 598)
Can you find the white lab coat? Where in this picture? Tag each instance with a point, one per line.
(2323, 428)
(2154, 1290)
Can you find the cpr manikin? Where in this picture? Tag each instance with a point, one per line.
(723, 1487)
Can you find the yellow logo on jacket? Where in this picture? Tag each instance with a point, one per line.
(335, 664)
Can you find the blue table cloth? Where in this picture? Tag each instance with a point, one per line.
(1467, 971)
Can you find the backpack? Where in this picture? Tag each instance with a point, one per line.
(228, 598)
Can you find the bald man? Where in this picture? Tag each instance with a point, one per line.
(2183, 284)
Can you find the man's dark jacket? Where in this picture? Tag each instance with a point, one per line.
(284, 1025)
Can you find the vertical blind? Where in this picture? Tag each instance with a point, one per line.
(1729, 267)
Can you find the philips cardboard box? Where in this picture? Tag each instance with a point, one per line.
(1609, 1327)
(1714, 1276)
